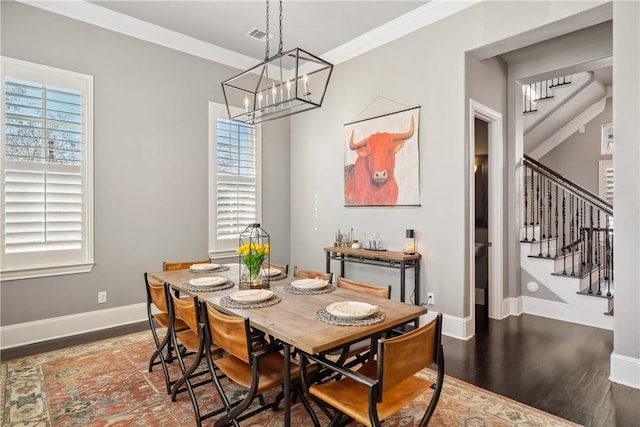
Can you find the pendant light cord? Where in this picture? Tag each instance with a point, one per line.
(280, 46)
(266, 52)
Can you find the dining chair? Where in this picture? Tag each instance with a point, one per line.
(309, 274)
(182, 265)
(256, 368)
(158, 317)
(360, 351)
(282, 267)
(386, 383)
(187, 310)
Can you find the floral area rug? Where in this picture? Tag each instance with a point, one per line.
(106, 383)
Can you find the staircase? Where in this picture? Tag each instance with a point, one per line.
(566, 249)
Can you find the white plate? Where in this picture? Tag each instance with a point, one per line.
(208, 281)
(251, 295)
(352, 309)
(204, 267)
(270, 272)
(309, 283)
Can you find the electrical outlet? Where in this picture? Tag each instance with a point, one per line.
(431, 298)
(102, 297)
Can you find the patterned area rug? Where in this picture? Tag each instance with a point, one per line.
(106, 383)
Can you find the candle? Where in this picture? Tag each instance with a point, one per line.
(305, 80)
(288, 89)
(260, 100)
(246, 104)
(273, 93)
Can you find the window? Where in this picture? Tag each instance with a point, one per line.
(234, 180)
(46, 159)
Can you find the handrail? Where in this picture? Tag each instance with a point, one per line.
(568, 184)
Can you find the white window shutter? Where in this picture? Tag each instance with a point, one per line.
(234, 180)
(47, 141)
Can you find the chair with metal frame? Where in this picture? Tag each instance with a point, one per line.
(385, 383)
(254, 368)
(182, 265)
(158, 317)
(360, 351)
(187, 310)
(309, 274)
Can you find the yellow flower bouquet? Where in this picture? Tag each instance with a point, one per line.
(253, 255)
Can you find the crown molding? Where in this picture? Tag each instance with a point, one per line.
(99, 16)
(133, 27)
(418, 18)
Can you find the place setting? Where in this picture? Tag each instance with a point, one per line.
(350, 313)
(309, 287)
(273, 273)
(250, 298)
(207, 268)
(208, 284)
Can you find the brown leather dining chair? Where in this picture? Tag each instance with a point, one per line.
(158, 317)
(360, 351)
(309, 274)
(182, 265)
(386, 383)
(187, 311)
(255, 368)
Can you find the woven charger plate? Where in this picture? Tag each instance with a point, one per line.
(293, 290)
(226, 301)
(189, 287)
(324, 316)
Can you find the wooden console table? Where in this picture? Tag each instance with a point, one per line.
(388, 259)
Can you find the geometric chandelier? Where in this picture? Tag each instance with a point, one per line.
(287, 83)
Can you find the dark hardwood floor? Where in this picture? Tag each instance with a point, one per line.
(558, 367)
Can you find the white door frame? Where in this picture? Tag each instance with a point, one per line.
(496, 214)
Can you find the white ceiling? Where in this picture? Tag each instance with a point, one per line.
(317, 26)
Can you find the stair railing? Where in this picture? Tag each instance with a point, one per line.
(537, 91)
(565, 220)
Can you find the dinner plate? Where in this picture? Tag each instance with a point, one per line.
(208, 281)
(270, 272)
(204, 267)
(352, 309)
(309, 283)
(251, 295)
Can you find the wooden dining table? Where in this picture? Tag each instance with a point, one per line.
(293, 320)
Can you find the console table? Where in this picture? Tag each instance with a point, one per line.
(388, 259)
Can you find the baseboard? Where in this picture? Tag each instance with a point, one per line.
(561, 311)
(457, 327)
(625, 370)
(512, 307)
(22, 334)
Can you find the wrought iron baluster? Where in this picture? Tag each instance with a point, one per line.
(580, 232)
(537, 199)
(541, 213)
(556, 221)
(564, 232)
(599, 292)
(549, 219)
(526, 227)
(607, 260)
(572, 229)
(590, 249)
(532, 207)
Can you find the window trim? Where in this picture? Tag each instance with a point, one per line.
(33, 71)
(216, 111)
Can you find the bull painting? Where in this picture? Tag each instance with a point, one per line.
(371, 180)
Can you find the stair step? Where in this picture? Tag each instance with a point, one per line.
(578, 273)
(609, 313)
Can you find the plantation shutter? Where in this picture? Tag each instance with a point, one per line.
(46, 163)
(235, 186)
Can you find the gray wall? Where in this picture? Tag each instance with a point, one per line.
(425, 68)
(578, 156)
(150, 160)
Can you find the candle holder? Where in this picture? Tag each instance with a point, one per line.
(410, 243)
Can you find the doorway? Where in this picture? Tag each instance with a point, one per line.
(485, 223)
(481, 220)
